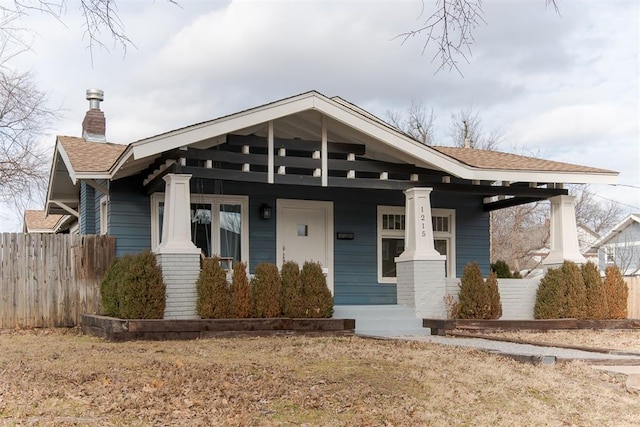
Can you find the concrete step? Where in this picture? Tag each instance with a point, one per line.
(631, 372)
(382, 320)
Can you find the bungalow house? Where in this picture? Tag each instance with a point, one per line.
(306, 178)
(621, 246)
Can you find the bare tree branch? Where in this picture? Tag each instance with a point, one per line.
(416, 122)
(467, 131)
(450, 28)
(23, 119)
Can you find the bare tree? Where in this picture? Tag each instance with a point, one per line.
(100, 18)
(416, 122)
(450, 26)
(519, 233)
(23, 119)
(467, 131)
(597, 216)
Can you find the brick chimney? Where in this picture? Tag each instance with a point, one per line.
(94, 125)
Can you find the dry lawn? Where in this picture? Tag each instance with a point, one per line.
(62, 378)
(625, 340)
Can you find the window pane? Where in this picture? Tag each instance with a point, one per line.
(440, 245)
(201, 226)
(160, 219)
(231, 231)
(391, 248)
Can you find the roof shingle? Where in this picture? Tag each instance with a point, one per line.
(86, 156)
(505, 161)
(36, 220)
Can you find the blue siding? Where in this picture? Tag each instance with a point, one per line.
(87, 209)
(355, 261)
(129, 216)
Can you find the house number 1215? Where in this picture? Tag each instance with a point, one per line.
(423, 232)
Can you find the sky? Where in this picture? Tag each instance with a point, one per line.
(563, 86)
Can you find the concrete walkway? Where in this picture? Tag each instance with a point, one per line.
(626, 364)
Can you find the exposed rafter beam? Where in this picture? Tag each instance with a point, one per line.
(66, 207)
(101, 188)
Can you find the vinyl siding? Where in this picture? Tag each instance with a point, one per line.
(355, 211)
(87, 209)
(129, 216)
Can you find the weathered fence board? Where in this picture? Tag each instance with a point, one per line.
(633, 302)
(50, 280)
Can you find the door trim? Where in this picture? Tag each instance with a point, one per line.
(308, 204)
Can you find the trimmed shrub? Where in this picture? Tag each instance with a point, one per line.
(318, 301)
(266, 289)
(502, 269)
(240, 292)
(292, 299)
(495, 306)
(551, 300)
(596, 296)
(478, 299)
(133, 288)
(574, 290)
(617, 293)
(109, 287)
(213, 290)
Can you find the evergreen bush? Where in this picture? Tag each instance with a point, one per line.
(574, 290)
(478, 299)
(213, 290)
(502, 269)
(133, 288)
(109, 287)
(240, 292)
(617, 293)
(596, 296)
(495, 306)
(292, 298)
(266, 289)
(318, 300)
(550, 296)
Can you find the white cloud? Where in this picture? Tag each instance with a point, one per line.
(566, 85)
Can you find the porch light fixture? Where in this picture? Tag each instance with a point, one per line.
(265, 211)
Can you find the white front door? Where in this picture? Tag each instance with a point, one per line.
(305, 233)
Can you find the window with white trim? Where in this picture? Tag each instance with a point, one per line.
(391, 229)
(219, 225)
(610, 254)
(104, 215)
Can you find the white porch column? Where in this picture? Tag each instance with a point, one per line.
(420, 268)
(178, 257)
(563, 233)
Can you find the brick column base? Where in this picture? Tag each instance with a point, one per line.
(422, 286)
(180, 273)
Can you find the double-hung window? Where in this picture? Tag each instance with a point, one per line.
(219, 224)
(391, 229)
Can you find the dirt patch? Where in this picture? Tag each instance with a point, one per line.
(63, 378)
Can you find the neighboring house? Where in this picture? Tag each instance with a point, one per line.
(621, 246)
(307, 178)
(40, 222)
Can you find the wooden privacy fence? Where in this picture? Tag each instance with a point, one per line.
(633, 306)
(49, 280)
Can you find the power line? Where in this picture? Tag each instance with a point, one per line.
(620, 203)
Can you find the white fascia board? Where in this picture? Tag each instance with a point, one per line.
(224, 125)
(126, 155)
(617, 229)
(65, 158)
(542, 176)
(420, 152)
